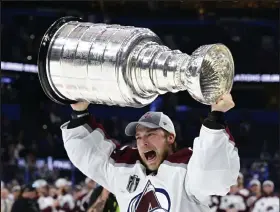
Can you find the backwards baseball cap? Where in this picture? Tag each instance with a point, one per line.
(151, 120)
(87, 180)
(268, 182)
(39, 183)
(16, 188)
(254, 182)
(240, 175)
(61, 182)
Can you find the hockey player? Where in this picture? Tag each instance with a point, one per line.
(154, 176)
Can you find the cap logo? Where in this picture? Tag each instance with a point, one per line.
(147, 115)
(164, 123)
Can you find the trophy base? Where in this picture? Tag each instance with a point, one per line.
(43, 51)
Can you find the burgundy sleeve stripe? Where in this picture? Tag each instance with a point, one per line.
(230, 135)
(125, 156)
(181, 156)
(94, 125)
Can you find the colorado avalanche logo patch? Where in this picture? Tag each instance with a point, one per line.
(150, 200)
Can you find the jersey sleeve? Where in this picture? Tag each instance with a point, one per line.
(214, 164)
(45, 204)
(90, 150)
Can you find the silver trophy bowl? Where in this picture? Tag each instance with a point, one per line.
(126, 66)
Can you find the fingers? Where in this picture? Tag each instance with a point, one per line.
(80, 106)
(226, 97)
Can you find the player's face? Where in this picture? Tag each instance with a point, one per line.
(268, 189)
(153, 146)
(4, 193)
(240, 181)
(255, 188)
(16, 194)
(91, 184)
(234, 189)
(30, 194)
(44, 190)
(52, 192)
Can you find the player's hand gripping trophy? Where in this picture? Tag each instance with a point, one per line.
(126, 66)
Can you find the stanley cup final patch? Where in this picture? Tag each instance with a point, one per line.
(132, 183)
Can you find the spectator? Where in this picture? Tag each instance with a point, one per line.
(16, 192)
(27, 200)
(6, 202)
(268, 201)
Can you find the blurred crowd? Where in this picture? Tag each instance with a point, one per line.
(256, 197)
(62, 196)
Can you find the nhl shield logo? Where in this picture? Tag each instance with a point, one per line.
(132, 183)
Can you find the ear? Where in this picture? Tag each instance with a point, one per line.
(170, 139)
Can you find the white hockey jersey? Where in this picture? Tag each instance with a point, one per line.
(267, 204)
(46, 204)
(182, 183)
(66, 203)
(234, 202)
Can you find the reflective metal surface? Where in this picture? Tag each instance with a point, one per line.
(128, 66)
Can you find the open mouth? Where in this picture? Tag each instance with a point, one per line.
(150, 155)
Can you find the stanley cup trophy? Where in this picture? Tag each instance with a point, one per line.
(126, 66)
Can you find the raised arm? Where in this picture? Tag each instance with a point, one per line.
(214, 165)
(88, 147)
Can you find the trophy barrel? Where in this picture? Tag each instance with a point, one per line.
(81, 61)
(46, 85)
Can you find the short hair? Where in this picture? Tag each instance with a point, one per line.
(174, 145)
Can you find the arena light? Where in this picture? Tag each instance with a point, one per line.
(6, 80)
(19, 67)
(50, 162)
(257, 78)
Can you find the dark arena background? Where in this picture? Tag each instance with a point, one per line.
(31, 142)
